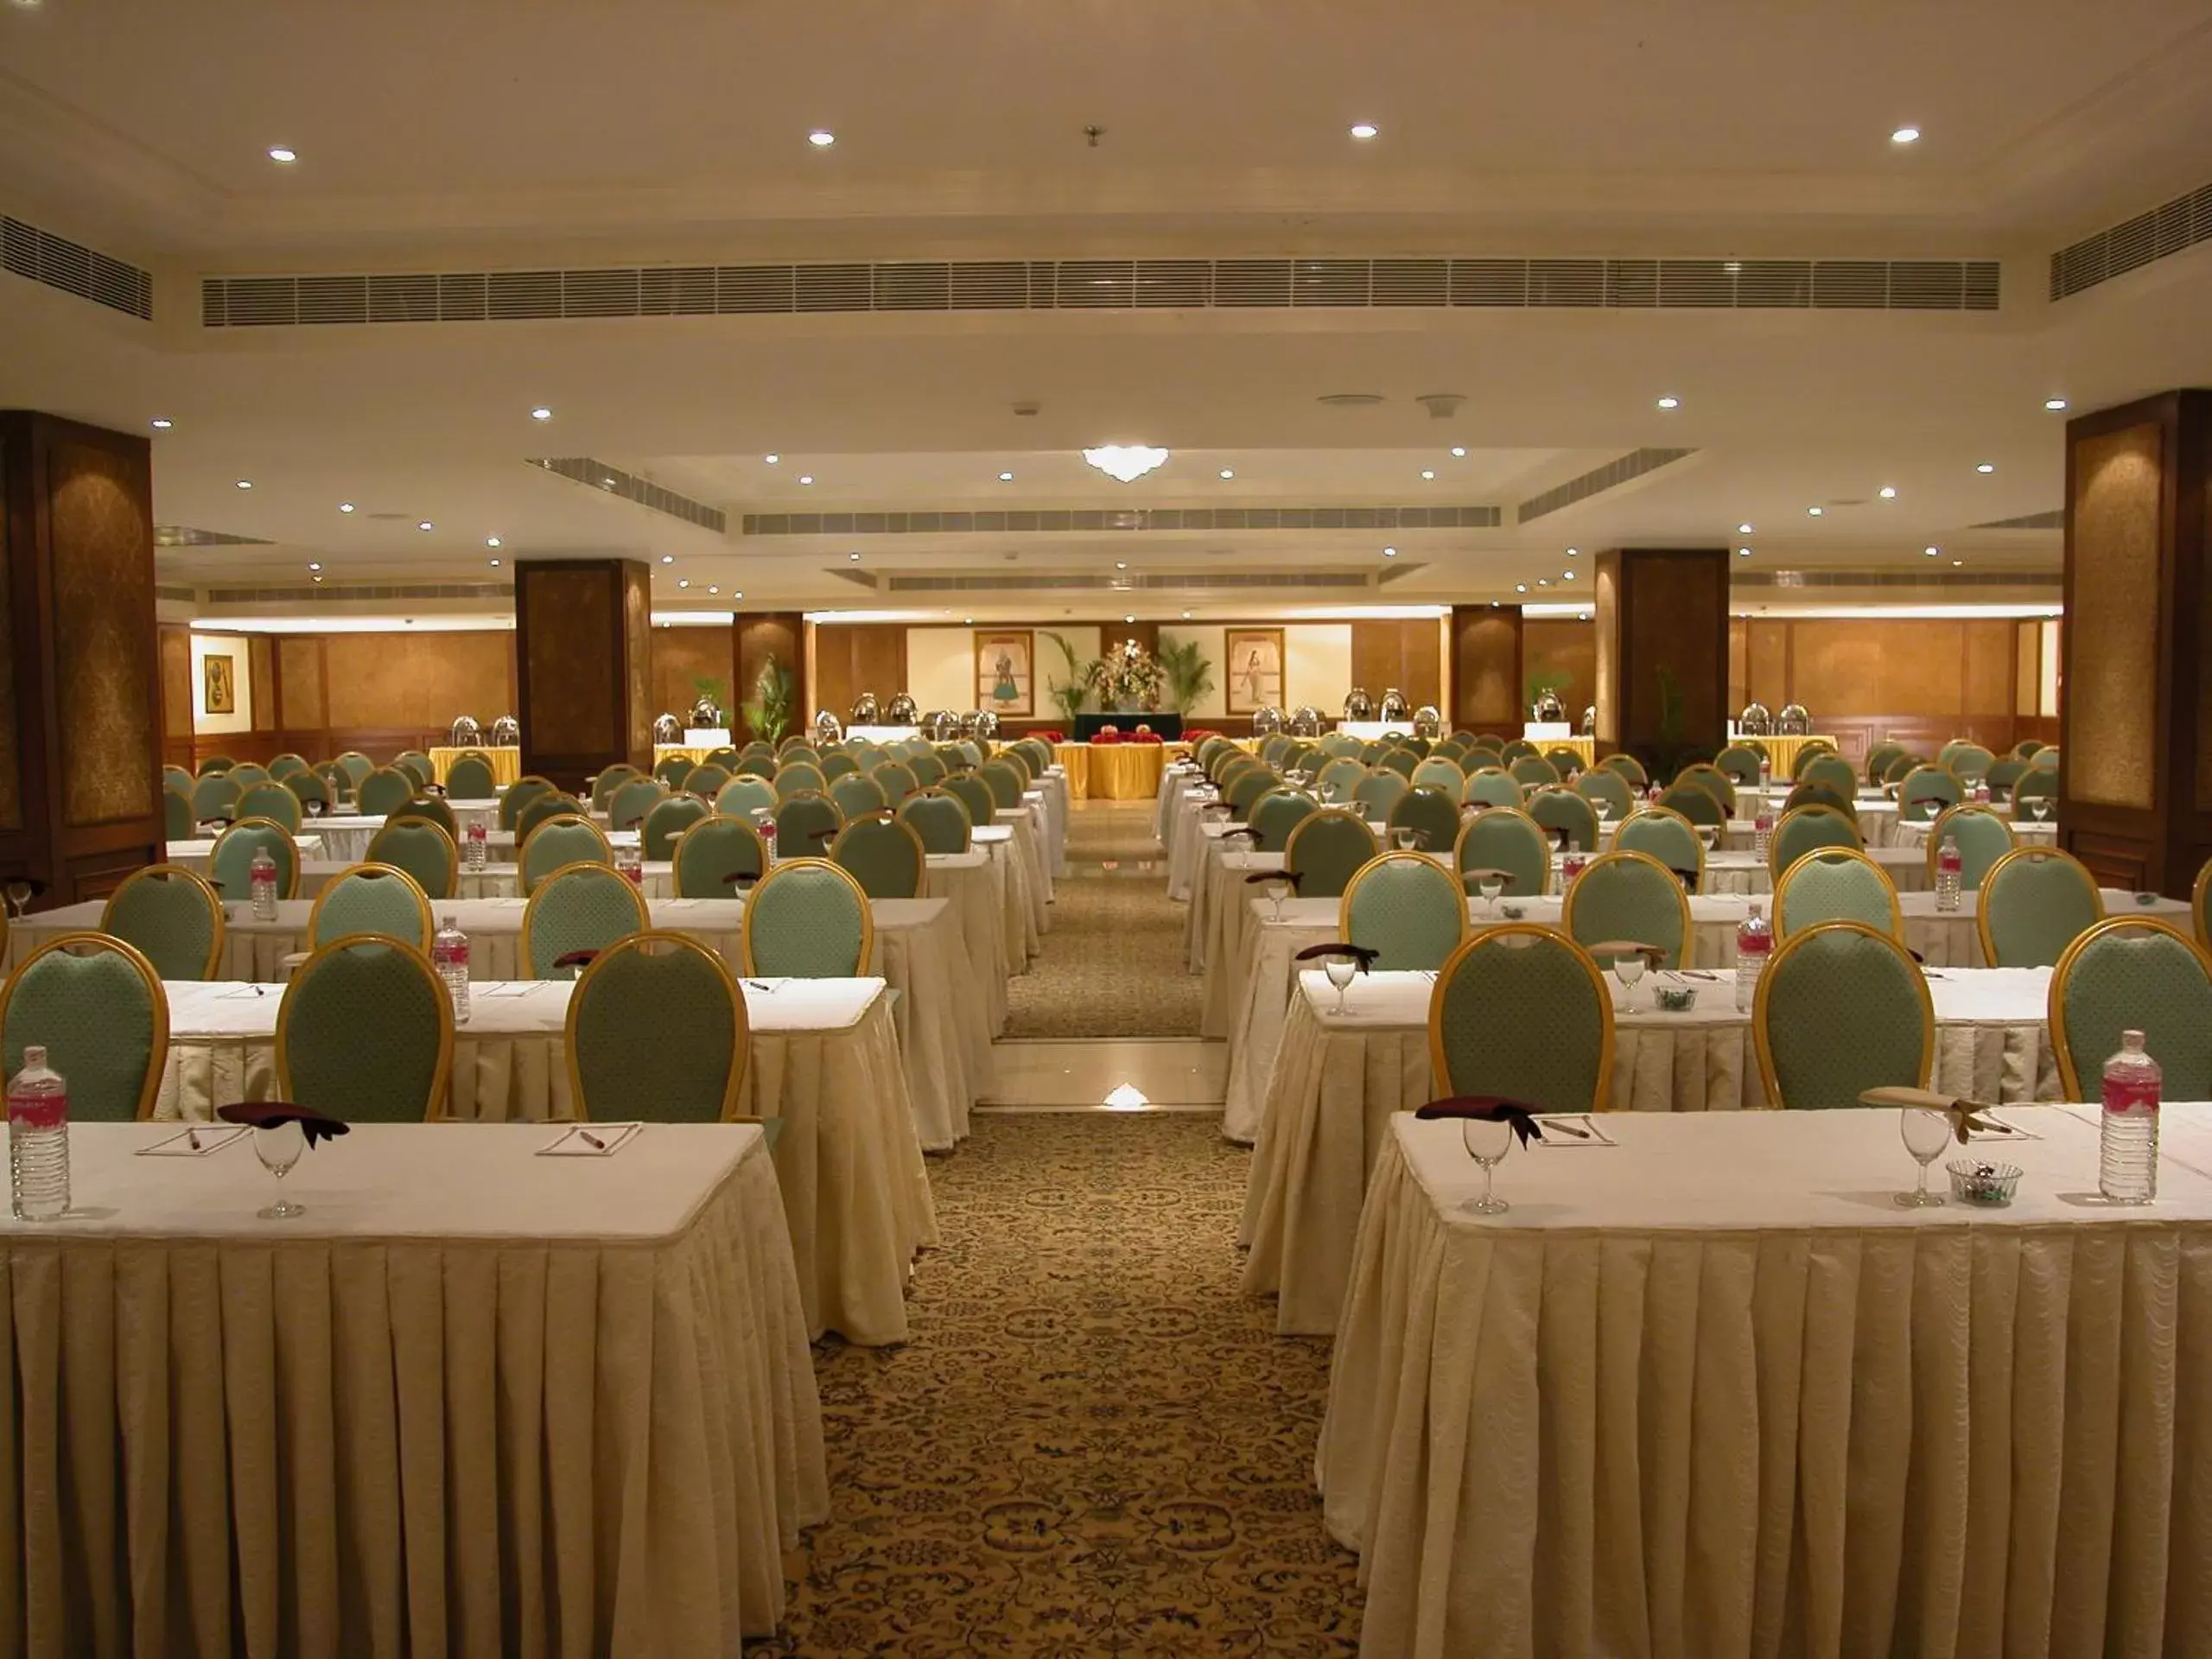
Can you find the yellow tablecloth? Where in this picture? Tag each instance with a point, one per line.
(1112, 771)
(1585, 746)
(1781, 752)
(506, 763)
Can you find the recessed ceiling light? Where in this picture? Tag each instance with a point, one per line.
(1930, 552)
(1186, 616)
(1389, 552)
(1906, 136)
(1955, 563)
(1459, 452)
(345, 506)
(1543, 581)
(1743, 552)
(772, 459)
(1573, 552)
(820, 138)
(282, 156)
(1984, 467)
(245, 483)
(2054, 405)
(162, 422)
(317, 579)
(1520, 587)
(1888, 491)
(495, 564)
(668, 558)
(315, 565)
(969, 620)
(1129, 619)
(737, 593)
(806, 478)
(1567, 575)
(491, 541)
(1121, 564)
(425, 525)
(1743, 530)
(1006, 478)
(1228, 473)
(1424, 472)
(855, 557)
(1670, 403)
(683, 581)
(712, 588)
(1814, 512)
(1363, 130)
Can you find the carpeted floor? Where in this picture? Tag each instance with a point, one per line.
(1094, 1444)
(1115, 963)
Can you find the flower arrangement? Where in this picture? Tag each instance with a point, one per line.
(1127, 676)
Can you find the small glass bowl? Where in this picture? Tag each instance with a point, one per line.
(1512, 912)
(1974, 1181)
(1677, 999)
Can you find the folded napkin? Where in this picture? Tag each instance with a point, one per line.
(1365, 955)
(1607, 950)
(575, 959)
(273, 1113)
(1292, 876)
(1963, 1113)
(1492, 1109)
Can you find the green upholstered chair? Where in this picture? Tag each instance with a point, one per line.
(1900, 768)
(1694, 801)
(1493, 786)
(372, 898)
(470, 779)
(1836, 884)
(2133, 974)
(1631, 896)
(1521, 1012)
(806, 825)
(755, 765)
(434, 808)
(809, 918)
(384, 790)
(1438, 773)
(216, 798)
(172, 916)
(1741, 764)
(2035, 902)
(1250, 785)
(1812, 794)
(800, 777)
(657, 1028)
(706, 780)
(883, 853)
(1969, 761)
(1521, 748)
(423, 849)
(1005, 783)
(230, 865)
(608, 781)
(177, 823)
(1629, 767)
(1473, 761)
(672, 818)
(1833, 771)
(838, 763)
(1565, 761)
(796, 748)
(2044, 760)
(1878, 759)
(1399, 760)
(578, 907)
(554, 844)
(286, 764)
(1325, 849)
(246, 774)
(1379, 791)
(544, 810)
(1926, 791)
(2027, 747)
(417, 764)
(627, 806)
(1606, 784)
(97, 1006)
(1808, 752)
(177, 778)
(1983, 838)
(520, 794)
(1842, 1008)
(1530, 770)
(214, 764)
(1505, 838)
(2035, 784)
(1555, 810)
(1667, 836)
(974, 794)
(928, 770)
(1431, 814)
(1805, 829)
(1407, 906)
(714, 850)
(364, 1033)
(1275, 814)
(311, 787)
(724, 756)
(940, 818)
(672, 770)
(740, 796)
(1338, 778)
(2004, 771)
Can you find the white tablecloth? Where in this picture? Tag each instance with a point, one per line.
(474, 1400)
(823, 1059)
(1339, 1081)
(1713, 1394)
(195, 854)
(345, 836)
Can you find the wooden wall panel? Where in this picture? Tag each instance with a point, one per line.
(301, 675)
(1488, 642)
(261, 680)
(1662, 625)
(853, 658)
(411, 679)
(1405, 652)
(635, 675)
(100, 533)
(1562, 646)
(682, 657)
(573, 702)
(1766, 658)
(2114, 517)
(176, 682)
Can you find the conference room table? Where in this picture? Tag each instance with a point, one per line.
(345, 836)
(1710, 1391)
(506, 763)
(198, 852)
(823, 1059)
(474, 1400)
(1340, 1079)
(1111, 771)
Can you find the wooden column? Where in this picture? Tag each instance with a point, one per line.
(79, 660)
(760, 636)
(1662, 653)
(583, 663)
(2136, 731)
(1487, 675)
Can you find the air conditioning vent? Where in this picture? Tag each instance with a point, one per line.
(329, 595)
(1100, 284)
(56, 262)
(1137, 520)
(1596, 481)
(1123, 583)
(611, 480)
(2053, 519)
(186, 535)
(2159, 234)
(1897, 579)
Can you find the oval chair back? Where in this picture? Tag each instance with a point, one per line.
(809, 919)
(2034, 903)
(214, 764)
(1530, 770)
(1431, 814)
(2044, 760)
(421, 848)
(883, 853)
(608, 781)
(542, 809)
(1493, 786)
(417, 764)
(1504, 838)
(98, 1009)
(1005, 783)
(2003, 774)
(706, 780)
(800, 777)
(364, 1033)
(434, 809)
(520, 796)
(975, 794)
(1831, 771)
(1926, 791)
(1403, 761)
(1440, 774)
(658, 1026)
(1605, 783)
(311, 787)
(372, 898)
(1565, 761)
(1805, 829)
(711, 852)
(582, 906)
(2133, 974)
(1338, 778)
(230, 865)
(271, 801)
(2032, 786)
(557, 843)
(928, 770)
(1629, 767)
(755, 765)
(634, 801)
(470, 779)
(738, 798)
(1555, 810)
(1983, 838)
(856, 795)
(1520, 748)
(1667, 836)
(1842, 1008)
(1818, 794)
(806, 825)
(247, 774)
(1808, 752)
(1878, 761)
(1694, 801)
(1275, 814)
(838, 763)
(177, 823)
(1713, 781)
(1406, 906)
(1900, 767)
(170, 915)
(1633, 896)
(384, 790)
(215, 797)
(1969, 761)
(1521, 1012)
(1325, 849)
(1378, 793)
(940, 819)
(672, 769)
(1836, 884)
(671, 818)
(1740, 763)
(356, 766)
(285, 764)
(1250, 785)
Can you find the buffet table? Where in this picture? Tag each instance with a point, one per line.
(1111, 771)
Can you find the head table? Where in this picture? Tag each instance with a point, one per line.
(1710, 1391)
(474, 1400)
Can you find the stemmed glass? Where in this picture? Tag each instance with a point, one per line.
(1277, 892)
(19, 897)
(1710, 834)
(1487, 1142)
(1629, 969)
(1403, 839)
(1341, 971)
(1604, 817)
(279, 1147)
(1926, 1134)
(1490, 887)
(2040, 805)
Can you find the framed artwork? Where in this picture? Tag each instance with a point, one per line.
(222, 685)
(1003, 681)
(1254, 659)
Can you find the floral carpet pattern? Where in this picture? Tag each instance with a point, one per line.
(1094, 1444)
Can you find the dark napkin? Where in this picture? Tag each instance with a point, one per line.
(1363, 954)
(270, 1114)
(1490, 1108)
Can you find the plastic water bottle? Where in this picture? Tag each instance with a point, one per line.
(1754, 944)
(1762, 834)
(1949, 867)
(1570, 866)
(261, 885)
(631, 862)
(450, 956)
(474, 839)
(38, 1140)
(2127, 1158)
(1766, 771)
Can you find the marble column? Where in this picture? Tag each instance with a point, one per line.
(1662, 653)
(583, 666)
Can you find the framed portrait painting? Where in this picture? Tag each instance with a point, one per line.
(222, 685)
(1004, 680)
(1253, 658)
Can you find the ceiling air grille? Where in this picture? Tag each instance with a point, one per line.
(328, 595)
(1597, 479)
(612, 480)
(1138, 519)
(42, 256)
(2055, 518)
(186, 536)
(1101, 284)
(1309, 580)
(1896, 579)
(2160, 233)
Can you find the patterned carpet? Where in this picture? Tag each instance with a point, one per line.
(1094, 1444)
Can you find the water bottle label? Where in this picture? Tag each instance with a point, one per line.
(38, 1111)
(1754, 944)
(2125, 1098)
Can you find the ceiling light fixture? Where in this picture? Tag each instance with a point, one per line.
(1129, 619)
(1955, 563)
(1670, 403)
(541, 413)
(245, 483)
(1121, 564)
(1228, 473)
(1364, 130)
(820, 138)
(495, 564)
(1424, 472)
(1567, 575)
(1186, 616)
(1984, 467)
(345, 506)
(491, 541)
(1543, 581)
(2054, 405)
(1743, 552)
(1743, 530)
(806, 478)
(162, 422)
(314, 565)
(1520, 587)
(1389, 552)
(1812, 512)
(1459, 452)
(425, 525)
(1126, 462)
(712, 588)
(683, 581)
(318, 579)
(1573, 552)
(282, 156)
(1888, 491)
(855, 557)
(1006, 478)
(1906, 136)
(1930, 552)
(668, 558)
(772, 459)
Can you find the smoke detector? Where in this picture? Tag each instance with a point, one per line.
(1440, 406)
(1027, 406)
(1351, 400)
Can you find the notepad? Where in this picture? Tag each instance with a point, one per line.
(1572, 1130)
(592, 1140)
(194, 1143)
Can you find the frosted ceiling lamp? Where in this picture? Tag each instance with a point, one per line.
(1127, 462)
(1906, 136)
(1365, 130)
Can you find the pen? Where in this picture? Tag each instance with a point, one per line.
(593, 1141)
(1564, 1128)
(192, 1136)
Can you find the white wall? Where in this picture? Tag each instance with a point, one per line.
(941, 665)
(234, 646)
(1317, 666)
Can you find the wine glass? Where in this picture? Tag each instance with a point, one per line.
(1341, 971)
(279, 1146)
(1710, 834)
(1490, 887)
(2040, 805)
(1487, 1142)
(1629, 969)
(1402, 839)
(1277, 892)
(1926, 1134)
(1605, 815)
(19, 897)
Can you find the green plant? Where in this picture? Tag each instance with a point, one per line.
(770, 712)
(1069, 694)
(706, 688)
(1189, 674)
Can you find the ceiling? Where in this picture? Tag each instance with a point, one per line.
(500, 136)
